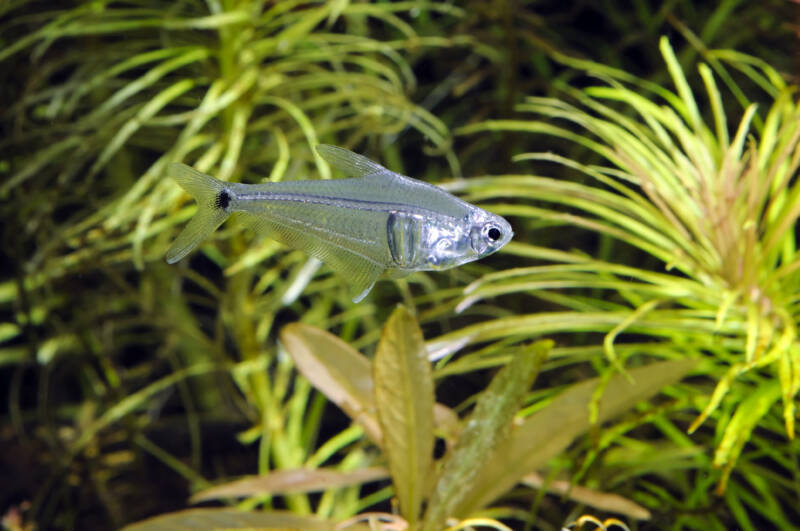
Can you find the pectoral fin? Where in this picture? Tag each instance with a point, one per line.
(359, 271)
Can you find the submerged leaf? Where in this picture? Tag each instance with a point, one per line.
(605, 501)
(213, 519)
(343, 375)
(485, 430)
(288, 481)
(339, 371)
(404, 398)
(136, 400)
(547, 432)
(747, 415)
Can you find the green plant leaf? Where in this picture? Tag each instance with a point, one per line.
(605, 501)
(9, 331)
(288, 481)
(549, 431)
(660, 189)
(738, 430)
(214, 519)
(136, 400)
(483, 433)
(343, 375)
(339, 371)
(404, 399)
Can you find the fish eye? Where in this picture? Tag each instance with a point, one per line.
(494, 234)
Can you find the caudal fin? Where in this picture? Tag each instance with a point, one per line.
(212, 208)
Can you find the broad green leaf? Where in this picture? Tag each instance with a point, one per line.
(339, 371)
(288, 481)
(487, 427)
(549, 431)
(343, 375)
(404, 398)
(215, 519)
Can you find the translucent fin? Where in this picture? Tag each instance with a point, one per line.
(212, 201)
(396, 273)
(362, 280)
(358, 296)
(358, 270)
(352, 164)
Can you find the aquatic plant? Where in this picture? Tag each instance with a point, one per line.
(391, 400)
(131, 384)
(109, 95)
(717, 210)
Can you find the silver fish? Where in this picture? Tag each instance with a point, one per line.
(373, 223)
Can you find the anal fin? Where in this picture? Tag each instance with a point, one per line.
(361, 281)
(359, 271)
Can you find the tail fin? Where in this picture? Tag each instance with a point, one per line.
(212, 202)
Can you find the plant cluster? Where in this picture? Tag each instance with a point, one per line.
(633, 352)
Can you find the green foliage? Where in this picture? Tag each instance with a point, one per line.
(118, 92)
(404, 402)
(202, 519)
(132, 385)
(257, 87)
(718, 212)
(488, 456)
(486, 428)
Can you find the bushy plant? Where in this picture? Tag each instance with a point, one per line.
(717, 210)
(662, 242)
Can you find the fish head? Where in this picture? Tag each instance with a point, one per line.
(451, 244)
(488, 233)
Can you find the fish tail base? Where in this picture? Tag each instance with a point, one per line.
(212, 198)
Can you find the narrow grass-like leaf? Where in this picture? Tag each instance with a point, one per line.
(720, 121)
(128, 64)
(143, 82)
(136, 400)
(404, 399)
(44, 157)
(549, 431)
(308, 130)
(747, 415)
(689, 110)
(134, 124)
(484, 432)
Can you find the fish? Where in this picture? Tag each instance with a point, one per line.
(375, 223)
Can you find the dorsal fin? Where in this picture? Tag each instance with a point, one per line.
(352, 164)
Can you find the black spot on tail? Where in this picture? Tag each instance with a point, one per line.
(223, 200)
